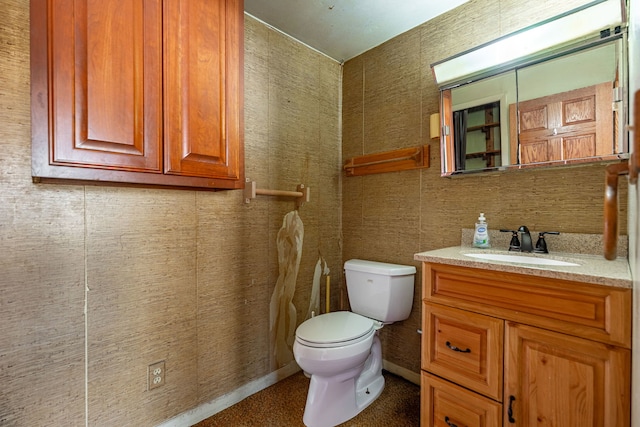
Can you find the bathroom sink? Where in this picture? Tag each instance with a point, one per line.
(521, 259)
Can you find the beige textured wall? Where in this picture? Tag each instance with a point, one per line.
(186, 276)
(180, 276)
(389, 94)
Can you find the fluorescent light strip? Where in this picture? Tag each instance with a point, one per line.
(571, 27)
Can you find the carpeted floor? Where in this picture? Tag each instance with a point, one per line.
(282, 405)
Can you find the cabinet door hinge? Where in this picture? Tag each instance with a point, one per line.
(617, 94)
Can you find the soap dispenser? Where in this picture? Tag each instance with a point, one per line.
(481, 235)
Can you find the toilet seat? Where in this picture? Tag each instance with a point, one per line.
(340, 328)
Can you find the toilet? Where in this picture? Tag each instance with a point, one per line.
(341, 350)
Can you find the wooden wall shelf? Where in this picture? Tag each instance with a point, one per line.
(388, 161)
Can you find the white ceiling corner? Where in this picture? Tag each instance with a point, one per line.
(343, 29)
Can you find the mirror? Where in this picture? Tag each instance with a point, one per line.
(564, 106)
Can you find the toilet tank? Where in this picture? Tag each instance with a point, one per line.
(380, 290)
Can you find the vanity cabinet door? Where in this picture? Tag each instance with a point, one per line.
(560, 380)
(444, 404)
(464, 347)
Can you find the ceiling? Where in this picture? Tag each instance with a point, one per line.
(343, 29)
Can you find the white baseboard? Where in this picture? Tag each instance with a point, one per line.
(204, 411)
(408, 375)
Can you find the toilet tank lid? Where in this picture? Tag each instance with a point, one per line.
(379, 267)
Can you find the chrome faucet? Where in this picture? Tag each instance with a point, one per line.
(525, 239)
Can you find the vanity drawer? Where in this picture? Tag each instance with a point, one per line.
(596, 312)
(464, 347)
(443, 403)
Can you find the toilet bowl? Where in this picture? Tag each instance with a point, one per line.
(345, 369)
(341, 351)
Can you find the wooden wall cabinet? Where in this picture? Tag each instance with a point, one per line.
(146, 92)
(506, 349)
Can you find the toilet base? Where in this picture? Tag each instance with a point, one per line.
(334, 400)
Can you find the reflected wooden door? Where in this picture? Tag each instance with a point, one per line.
(569, 125)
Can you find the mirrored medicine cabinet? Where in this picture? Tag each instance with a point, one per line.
(565, 106)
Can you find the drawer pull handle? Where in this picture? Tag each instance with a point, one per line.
(510, 410)
(454, 348)
(449, 423)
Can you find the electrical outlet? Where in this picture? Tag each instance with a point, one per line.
(156, 374)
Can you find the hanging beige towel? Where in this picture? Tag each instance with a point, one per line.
(282, 311)
(314, 301)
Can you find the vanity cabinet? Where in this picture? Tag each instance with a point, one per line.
(510, 349)
(146, 92)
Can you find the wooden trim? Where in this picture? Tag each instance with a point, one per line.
(610, 232)
(388, 161)
(39, 87)
(514, 147)
(446, 138)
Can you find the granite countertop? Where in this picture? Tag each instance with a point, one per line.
(593, 269)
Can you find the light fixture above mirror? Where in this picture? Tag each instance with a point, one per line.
(567, 28)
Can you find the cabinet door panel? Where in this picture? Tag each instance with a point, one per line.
(105, 68)
(203, 88)
(560, 380)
